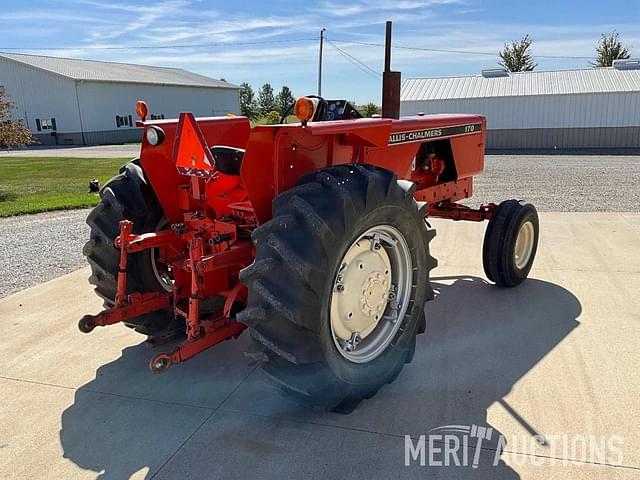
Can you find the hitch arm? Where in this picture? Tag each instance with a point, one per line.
(456, 211)
(192, 347)
(135, 305)
(126, 306)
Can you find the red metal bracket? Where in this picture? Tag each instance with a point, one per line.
(127, 306)
(215, 332)
(455, 211)
(138, 243)
(135, 305)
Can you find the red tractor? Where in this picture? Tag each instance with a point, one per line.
(314, 236)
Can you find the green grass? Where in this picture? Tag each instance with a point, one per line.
(40, 184)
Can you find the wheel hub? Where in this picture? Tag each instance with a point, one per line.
(363, 291)
(371, 293)
(375, 294)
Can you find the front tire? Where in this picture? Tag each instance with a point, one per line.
(301, 294)
(510, 243)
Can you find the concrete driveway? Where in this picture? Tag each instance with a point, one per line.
(555, 359)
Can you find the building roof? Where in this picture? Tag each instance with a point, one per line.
(560, 82)
(96, 71)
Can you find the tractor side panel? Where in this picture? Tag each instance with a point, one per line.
(396, 158)
(258, 171)
(468, 152)
(278, 156)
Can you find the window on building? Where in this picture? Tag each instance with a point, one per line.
(124, 121)
(157, 116)
(45, 124)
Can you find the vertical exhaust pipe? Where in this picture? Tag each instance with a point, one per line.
(390, 81)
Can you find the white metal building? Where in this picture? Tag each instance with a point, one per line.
(589, 108)
(68, 101)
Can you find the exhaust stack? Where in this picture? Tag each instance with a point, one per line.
(390, 81)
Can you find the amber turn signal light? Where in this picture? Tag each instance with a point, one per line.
(304, 109)
(142, 109)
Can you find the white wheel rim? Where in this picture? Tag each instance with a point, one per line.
(371, 293)
(524, 245)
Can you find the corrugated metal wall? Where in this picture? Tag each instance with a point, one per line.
(85, 112)
(100, 102)
(523, 84)
(548, 121)
(567, 138)
(39, 94)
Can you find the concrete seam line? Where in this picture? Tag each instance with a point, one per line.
(98, 392)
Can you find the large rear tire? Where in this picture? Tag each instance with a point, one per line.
(329, 327)
(128, 196)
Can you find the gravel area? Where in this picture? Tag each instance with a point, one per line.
(40, 247)
(37, 248)
(562, 183)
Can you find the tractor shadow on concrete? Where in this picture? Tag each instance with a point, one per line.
(480, 341)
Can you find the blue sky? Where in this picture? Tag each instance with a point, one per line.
(274, 41)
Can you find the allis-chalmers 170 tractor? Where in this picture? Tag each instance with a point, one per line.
(314, 236)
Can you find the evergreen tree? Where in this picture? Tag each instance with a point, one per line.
(517, 57)
(284, 100)
(610, 48)
(266, 102)
(248, 104)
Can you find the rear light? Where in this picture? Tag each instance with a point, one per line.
(154, 135)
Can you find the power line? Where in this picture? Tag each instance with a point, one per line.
(354, 63)
(163, 47)
(465, 52)
(361, 65)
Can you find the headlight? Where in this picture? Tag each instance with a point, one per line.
(155, 135)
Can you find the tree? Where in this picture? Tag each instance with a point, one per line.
(248, 104)
(284, 100)
(610, 48)
(272, 118)
(370, 109)
(517, 57)
(266, 102)
(13, 133)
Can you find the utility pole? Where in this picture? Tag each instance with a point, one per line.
(320, 62)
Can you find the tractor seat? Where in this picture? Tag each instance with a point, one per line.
(228, 159)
